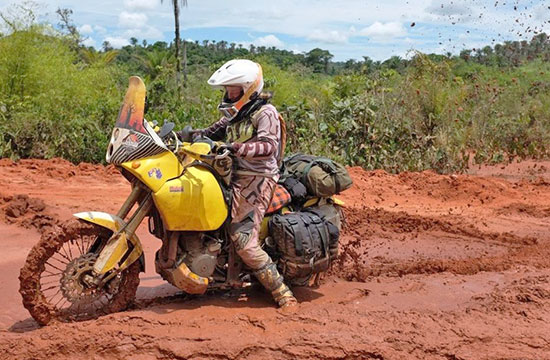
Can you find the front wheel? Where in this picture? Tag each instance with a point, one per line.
(56, 282)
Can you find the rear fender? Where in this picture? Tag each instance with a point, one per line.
(116, 248)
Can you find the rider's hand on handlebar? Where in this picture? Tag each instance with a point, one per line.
(222, 147)
(187, 134)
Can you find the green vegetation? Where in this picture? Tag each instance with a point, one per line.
(58, 98)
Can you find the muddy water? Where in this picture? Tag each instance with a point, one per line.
(432, 266)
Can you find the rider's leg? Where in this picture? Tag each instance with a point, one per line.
(251, 197)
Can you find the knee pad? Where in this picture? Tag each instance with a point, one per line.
(242, 231)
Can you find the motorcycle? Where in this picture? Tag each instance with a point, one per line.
(90, 265)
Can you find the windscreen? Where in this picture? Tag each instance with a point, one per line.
(133, 138)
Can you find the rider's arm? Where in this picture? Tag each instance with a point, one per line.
(267, 140)
(216, 131)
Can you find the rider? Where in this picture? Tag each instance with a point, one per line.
(250, 127)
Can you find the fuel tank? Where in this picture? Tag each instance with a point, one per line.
(193, 201)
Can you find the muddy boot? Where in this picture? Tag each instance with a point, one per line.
(270, 278)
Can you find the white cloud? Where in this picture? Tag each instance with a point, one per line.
(328, 36)
(89, 42)
(132, 20)
(384, 31)
(100, 29)
(147, 32)
(117, 42)
(85, 29)
(269, 41)
(140, 4)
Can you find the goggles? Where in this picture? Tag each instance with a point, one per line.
(228, 110)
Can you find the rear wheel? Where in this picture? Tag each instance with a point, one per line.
(56, 282)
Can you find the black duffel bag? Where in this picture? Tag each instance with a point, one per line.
(303, 241)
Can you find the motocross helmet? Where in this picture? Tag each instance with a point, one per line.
(240, 72)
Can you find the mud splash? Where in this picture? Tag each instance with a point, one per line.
(26, 211)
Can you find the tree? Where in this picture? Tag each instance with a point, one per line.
(176, 7)
(67, 24)
(106, 46)
(319, 59)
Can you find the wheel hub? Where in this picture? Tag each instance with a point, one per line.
(77, 280)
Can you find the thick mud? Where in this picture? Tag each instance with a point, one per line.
(432, 267)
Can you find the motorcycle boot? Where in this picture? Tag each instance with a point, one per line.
(273, 281)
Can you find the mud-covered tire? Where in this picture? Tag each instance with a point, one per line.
(51, 241)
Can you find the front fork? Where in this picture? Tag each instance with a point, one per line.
(123, 248)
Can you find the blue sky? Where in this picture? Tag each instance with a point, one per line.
(349, 29)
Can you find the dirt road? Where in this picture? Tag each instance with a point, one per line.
(432, 267)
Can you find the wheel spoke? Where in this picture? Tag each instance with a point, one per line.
(49, 288)
(91, 241)
(80, 245)
(63, 255)
(70, 258)
(70, 252)
(54, 295)
(54, 266)
(58, 260)
(85, 244)
(50, 274)
(62, 304)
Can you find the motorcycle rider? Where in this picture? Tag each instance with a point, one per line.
(251, 129)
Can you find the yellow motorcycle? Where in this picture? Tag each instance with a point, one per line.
(91, 265)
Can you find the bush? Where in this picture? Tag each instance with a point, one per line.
(430, 112)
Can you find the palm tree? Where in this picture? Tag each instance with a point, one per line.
(176, 6)
(92, 57)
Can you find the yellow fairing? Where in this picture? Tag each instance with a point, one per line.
(198, 147)
(155, 170)
(117, 247)
(192, 202)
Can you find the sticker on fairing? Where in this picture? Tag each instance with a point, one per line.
(176, 189)
(155, 172)
(131, 140)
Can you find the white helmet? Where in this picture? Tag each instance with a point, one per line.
(240, 72)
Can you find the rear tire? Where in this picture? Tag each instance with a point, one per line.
(46, 266)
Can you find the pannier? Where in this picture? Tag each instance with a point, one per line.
(306, 243)
(333, 215)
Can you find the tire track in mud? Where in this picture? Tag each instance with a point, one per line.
(365, 224)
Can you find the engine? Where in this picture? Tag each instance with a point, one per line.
(201, 254)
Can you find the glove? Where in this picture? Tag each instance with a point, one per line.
(222, 147)
(187, 134)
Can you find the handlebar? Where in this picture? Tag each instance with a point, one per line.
(198, 156)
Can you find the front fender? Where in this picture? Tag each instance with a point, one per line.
(116, 248)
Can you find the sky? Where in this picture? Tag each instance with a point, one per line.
(349, 29)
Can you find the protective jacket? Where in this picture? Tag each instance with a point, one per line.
(256, 137)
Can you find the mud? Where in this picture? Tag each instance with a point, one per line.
(432, 267)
